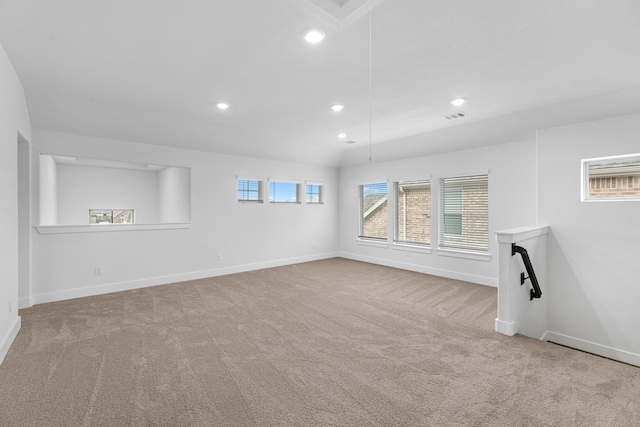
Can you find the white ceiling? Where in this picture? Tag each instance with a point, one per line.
(152, 70)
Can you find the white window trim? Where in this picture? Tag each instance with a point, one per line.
(466, 254)
(372, 241)
(412, 247)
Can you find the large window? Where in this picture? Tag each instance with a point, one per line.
(249, 190)
(314, 193)
(464, 213)
(611, 178)
(412, 214)
(373, 210)
(283, 192)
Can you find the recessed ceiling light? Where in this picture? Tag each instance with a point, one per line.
(313, 35)
(342, 135)
(222, 105)
(337, 107)
(458, 102)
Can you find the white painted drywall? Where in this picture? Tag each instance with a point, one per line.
(14, 120)
(512, 204)
(81, 188)
(246, 236)
(48, 194)
(594, 273)
(175, 195)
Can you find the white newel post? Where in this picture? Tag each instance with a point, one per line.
(517, 313)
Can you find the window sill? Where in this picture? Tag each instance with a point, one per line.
(372, 242)
(459, 253)
(98, 228)
(421, 249)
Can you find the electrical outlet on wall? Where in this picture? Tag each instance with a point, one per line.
(219, 257)
(9, 306)
(98, 270)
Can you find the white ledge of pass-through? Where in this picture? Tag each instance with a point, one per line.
(515, 235)
(106, 228)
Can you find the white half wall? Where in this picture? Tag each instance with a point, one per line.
(512, 204)
(225, 236)
(14, 121)
(593, 268)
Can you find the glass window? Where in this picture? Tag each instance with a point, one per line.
(249, 190)
(464, 213)
(611, 178)
(314, 193)
(373, 210)
(283, 192)
(111, 216)
(412, 216)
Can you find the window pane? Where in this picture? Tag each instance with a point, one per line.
(314, 193)
(373, 210)
(413, 212)
(111, 216)
(249, 190)
(613, 178)
(464, 213)
(283, 192)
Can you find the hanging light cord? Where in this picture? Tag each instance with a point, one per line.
(370, 85)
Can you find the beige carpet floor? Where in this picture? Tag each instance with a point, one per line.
(327, 343)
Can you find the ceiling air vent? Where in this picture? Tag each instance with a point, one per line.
(455, 116)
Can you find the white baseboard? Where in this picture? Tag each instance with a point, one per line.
(506, 328)
(7, 340)
(595, 348)
(163, 280)
(25, 302)
(481, 280)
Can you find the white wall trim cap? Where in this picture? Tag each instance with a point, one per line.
(102, 228)
(515, 235)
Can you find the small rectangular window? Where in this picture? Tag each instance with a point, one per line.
(464, 213)
(111, 216)
(373, 210)
(611, 178)
(412, 216)
(249, 190)
(314, 193)
(283, 192)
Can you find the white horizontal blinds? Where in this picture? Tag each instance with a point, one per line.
(412, 212)
(464, 212)
(283, 192)
(249, 190)
(373, 210)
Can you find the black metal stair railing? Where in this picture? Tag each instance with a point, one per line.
(536, 292)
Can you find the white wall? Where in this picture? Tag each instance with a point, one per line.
(14, 120)
(512, 204)
(245, 236)
(80, 188)
(594, 268)
(175, 195)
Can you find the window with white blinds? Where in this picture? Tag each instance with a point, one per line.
(373, 210)
(464, 213)
(249, 190)
(412, 213)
